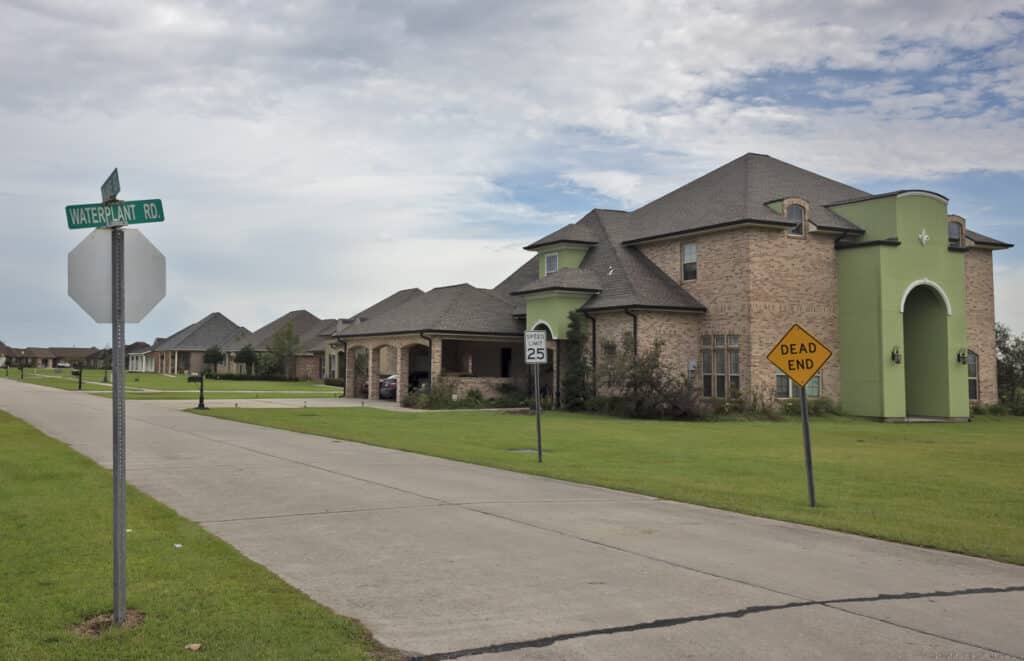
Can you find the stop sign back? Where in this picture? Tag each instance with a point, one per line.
(89, 279)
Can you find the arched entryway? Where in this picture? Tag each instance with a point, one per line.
(926, 340)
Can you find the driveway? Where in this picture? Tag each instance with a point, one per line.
(450, 560)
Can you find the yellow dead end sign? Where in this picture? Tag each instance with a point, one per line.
(799, 355)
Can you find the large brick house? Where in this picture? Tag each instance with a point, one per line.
(717, 271)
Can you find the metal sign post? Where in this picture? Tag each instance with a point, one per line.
(800, 355)
(87, 268)
(535, 344)
(117, 369)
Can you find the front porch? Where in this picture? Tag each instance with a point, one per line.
(487, 364)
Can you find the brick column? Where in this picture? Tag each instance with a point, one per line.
(402, 369)
(435, 360)
(351, 387)
(372, 376)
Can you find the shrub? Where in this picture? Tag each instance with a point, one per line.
(636, 384)
(338, 383)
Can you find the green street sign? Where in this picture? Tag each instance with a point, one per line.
(115, 215)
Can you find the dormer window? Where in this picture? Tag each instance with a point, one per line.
(956, 233)
(550, 263)
(797, 214)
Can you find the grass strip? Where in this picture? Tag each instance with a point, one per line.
(947, 486)
(55, 541)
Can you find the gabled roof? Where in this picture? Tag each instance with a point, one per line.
(738, 192)
(454, 309)
(213, 329)
(37, 352)
(301, 320)
(137, 347)
(621, 276)
(575, 233)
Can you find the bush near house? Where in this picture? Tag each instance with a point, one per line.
(442, 395)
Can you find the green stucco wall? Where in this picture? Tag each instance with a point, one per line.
(553, 310)
(872, 283)
(569, 257)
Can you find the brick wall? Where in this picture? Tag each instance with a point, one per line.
(723, 285)
(307, 368)
(981, 319)
(794, 280)
(756, 283)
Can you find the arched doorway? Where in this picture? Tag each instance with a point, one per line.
(925, 340)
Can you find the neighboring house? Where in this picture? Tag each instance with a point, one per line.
(308, 329)
(139, 358)
(182, 352)
(5, 352)
(72, 355)
(716, 272)
(38, 357)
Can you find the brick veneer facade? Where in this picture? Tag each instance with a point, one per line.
(755, 283)
(981, 319)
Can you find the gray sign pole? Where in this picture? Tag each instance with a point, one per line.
(117, 369)
(536, 401)
(807, 444)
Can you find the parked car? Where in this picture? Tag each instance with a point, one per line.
(63, 364)
(389, 387)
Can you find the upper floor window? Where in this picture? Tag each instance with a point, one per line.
(956, 233)
(550, 263)
(796, 214)
(972, 376)
(689, 261)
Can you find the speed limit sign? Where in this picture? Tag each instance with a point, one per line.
(536, 343)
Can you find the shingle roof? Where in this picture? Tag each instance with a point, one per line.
(983, 240)
(567, 279)
(314, 338)
(213, 329)
(73, 353)
(260, 339)
(574, 233)
(739, 191)
(455, 309)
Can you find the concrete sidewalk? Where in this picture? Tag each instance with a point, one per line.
(450, 560)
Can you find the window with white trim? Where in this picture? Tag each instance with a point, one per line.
(786, 389)
(689, 261)
(972, 376)
(550, 262)
(720, 365)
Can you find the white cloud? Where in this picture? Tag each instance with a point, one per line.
(289, 141)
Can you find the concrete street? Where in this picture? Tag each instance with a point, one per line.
(450, 560)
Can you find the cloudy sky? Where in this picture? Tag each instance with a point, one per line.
(321, 155)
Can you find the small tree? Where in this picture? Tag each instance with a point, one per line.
(247, 356)
(284, 345)
(1010, 365)
(213, 356)
(574, 382)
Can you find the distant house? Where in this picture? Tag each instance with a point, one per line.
(84, 356)
(38, 357)
(139, 358)
(6, 353)
(183, 351)
(311, 331)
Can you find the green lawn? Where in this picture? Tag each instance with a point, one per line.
(55, 512)
(956, 487)
(174, 386)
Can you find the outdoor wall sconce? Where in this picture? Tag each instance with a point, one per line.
(961, 356)
(896, 356)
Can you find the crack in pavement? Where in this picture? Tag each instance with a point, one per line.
(547, 641)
